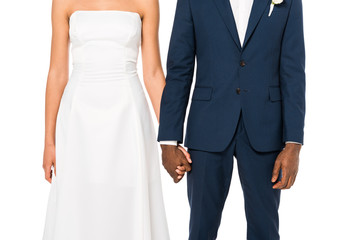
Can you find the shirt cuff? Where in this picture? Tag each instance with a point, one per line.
(173, 143)
(292, 142)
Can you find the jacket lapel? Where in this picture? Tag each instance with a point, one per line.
(257, 11)
(226, 13)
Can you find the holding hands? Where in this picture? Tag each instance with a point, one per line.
(176, 160)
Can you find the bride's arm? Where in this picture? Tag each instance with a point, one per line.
(153, 73)
(56, 82)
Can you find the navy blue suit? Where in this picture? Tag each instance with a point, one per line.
(258, 88)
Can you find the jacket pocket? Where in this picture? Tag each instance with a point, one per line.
(202, 94)
(275, 94)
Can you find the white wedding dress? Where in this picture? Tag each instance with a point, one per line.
(108, 183)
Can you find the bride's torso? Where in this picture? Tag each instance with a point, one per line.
(105, 43)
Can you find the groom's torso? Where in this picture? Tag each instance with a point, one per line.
(232, 77)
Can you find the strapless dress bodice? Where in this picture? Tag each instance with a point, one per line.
(105, 42)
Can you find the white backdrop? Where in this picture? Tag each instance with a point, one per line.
(323, 204)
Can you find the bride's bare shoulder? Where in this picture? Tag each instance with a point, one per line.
(148, 7)
(63, 7)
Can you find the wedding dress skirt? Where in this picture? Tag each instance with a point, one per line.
(108, 183)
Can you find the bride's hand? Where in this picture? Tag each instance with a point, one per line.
(181, 169)
(49, 161)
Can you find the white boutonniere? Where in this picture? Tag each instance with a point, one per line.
(272, 5)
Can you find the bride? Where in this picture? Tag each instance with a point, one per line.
(100, 151)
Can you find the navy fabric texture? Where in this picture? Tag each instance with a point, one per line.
(209, 182)
(264, 79)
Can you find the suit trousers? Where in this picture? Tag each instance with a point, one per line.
(209, 182)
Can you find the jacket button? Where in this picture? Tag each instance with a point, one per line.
(238, 90)
(242, 63)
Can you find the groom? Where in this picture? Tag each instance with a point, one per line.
(248, 102)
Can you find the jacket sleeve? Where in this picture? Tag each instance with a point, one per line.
(180, 70)
(292, 75)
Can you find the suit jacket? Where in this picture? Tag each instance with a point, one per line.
(264, 79)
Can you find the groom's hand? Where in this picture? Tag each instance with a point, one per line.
(174, 159)
(288, 162)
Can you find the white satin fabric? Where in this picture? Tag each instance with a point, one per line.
(108, 183)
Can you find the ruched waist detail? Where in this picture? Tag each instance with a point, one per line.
(105, 71)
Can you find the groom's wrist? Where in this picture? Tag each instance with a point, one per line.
(294, 147)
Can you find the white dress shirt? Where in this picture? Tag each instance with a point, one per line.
(241, 11)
